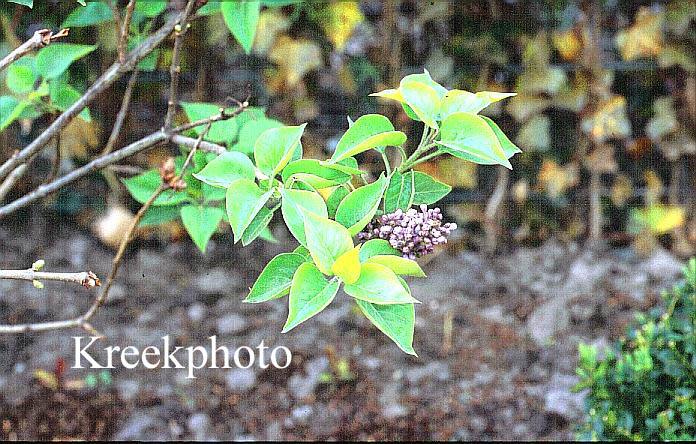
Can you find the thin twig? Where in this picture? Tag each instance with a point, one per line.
(175, 68)
(122, 113)
(111, 158)
(125, 29)
(107, 79)
(492, 208)
(41, 38)
(85, 278)
(11, 180)
(208, 147)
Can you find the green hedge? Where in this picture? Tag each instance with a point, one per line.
(645, 389)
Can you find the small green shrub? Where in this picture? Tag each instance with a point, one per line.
(646, 388)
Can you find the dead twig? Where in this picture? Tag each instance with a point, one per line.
(41, 38)
(85, 278)
(125, 29)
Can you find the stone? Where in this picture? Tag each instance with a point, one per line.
(240, 379)
(230, 324)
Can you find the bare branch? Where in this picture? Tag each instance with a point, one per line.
(85, 278)
(175, 68)
(208, 147)
(41, 38)
(122, 113)
(125, 29)
(107, 79)
(11, 180)
(111, 158)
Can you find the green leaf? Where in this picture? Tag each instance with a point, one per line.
(457, 101)
(397, 321)
(9, 110)
(267, 235)
(29, 3)
(335, 200)
(310, 293)
(347, 266)
(357, 208)
(423, 100)
(379, 285)
(201, 223)
(275, 148)
(63, 96)
(244, 200)
(399, 192)
(509, 148)
(375, 247)
(92, 14)
(304, 252)
(294, 202)
(276, 278)
(54, 59)
(250, 133)
(242, 17)
(143, 186)
(257, 226)
(466, 133)
(397, 264)
(326, 239)
(369, 131)
(20, 78)
(313, 173)
(427, 190)
(159, 215)
(221, 132)
(150, 8)
(347, 166)
(226, 168)
(426, 79)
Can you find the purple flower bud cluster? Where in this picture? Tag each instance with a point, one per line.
(414, 233)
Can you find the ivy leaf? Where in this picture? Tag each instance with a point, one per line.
(357, 209)
(54, 59)
(143, 186)
(257, 226)
(201, 223)
(275, 148)
(221, 132)
(397, 264)
(326, 239)
(375, 247)
(466, 133)
(310, 293)
(294, 202)
(397, 321)
(369, 131)
(276, 278)
(399, 192)
(428, 190)
(226, 168)
(379, 285)
(241, 17)
(347, 266)
(244, 200)
(92, 14)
